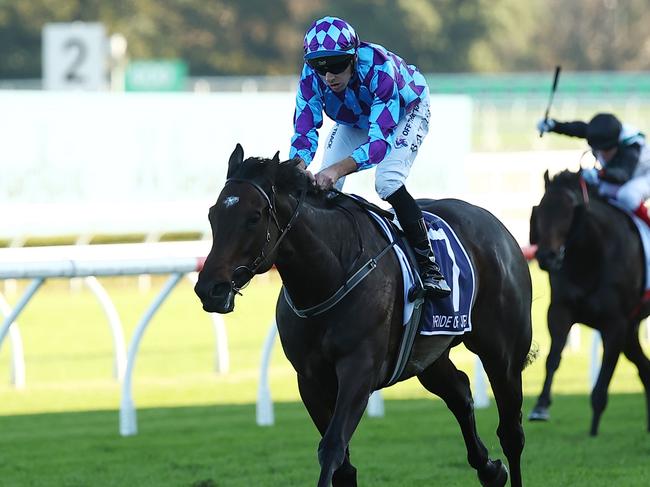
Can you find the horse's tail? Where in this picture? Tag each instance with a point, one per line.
(532, 354)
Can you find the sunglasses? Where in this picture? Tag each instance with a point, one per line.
(330, 64)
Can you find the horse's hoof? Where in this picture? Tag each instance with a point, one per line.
(539, 414)
(498, 475)
(345, 476)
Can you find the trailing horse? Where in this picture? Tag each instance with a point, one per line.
(268, 213)
(595, 262)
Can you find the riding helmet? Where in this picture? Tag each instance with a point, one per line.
(603, 131)
(330, 36)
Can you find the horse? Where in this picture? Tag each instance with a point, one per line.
(269, 213)
(594, 259)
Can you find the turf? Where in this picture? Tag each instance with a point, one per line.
(198, 428)
(417, 443)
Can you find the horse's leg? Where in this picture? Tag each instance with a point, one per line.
(505, 379)
(355, 381)
(452, 386)
(634, 354)
(320, 404)
(613, 342)
(559, 324)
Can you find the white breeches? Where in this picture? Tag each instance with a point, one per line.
(630, 194)
(391, 173)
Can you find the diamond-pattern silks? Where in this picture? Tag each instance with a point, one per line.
(382, 89)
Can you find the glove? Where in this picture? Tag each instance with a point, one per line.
(590, 175)
(545, 125)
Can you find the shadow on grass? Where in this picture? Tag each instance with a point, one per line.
(417, 443)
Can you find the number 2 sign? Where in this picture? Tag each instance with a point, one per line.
(74, 56)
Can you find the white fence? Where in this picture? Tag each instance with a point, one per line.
(38, 264)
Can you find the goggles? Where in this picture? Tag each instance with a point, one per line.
(330, 64)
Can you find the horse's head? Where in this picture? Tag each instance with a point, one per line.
(245, 229)
(552, 221)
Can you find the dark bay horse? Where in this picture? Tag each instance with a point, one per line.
(595, 262)
(268, 213)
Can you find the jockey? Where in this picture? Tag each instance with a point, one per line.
(623, 156)
(381, 109)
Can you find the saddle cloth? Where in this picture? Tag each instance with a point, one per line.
(644, 233)
(450, 315)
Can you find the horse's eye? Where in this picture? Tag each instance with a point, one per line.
(251, 221)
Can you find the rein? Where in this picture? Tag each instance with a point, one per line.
(585, 191)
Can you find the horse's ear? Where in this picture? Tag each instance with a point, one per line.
(235, 160)
(533, 236)
(274, 164)
(547, 180)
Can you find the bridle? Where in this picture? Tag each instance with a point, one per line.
(272, 216)
(575, 201)
(353, 278)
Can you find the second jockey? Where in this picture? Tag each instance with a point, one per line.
(623, 155)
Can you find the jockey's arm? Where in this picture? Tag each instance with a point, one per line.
(328, 177)
(572, 129)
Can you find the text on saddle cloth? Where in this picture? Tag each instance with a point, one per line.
(450, 315)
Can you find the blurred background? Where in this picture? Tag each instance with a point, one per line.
(116, 122)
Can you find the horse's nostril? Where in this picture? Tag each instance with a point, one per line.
(214, 291)
(220, 290)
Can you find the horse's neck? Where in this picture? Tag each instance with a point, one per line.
(586, 237)
(587, 250)
(313, 259)
(605, 222)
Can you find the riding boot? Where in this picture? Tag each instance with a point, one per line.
(432, 279)
(642, 212)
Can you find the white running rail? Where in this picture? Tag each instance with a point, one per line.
(88, 261)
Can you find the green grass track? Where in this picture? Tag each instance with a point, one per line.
(197, 428)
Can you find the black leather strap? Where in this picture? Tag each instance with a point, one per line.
(347, 286)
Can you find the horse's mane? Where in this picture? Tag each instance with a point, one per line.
(287, 177)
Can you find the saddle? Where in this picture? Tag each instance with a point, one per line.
(446, 316)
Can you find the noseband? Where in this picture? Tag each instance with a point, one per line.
(272, 216)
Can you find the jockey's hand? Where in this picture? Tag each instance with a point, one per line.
(545, 125)
(590, 175)
(327, 178)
